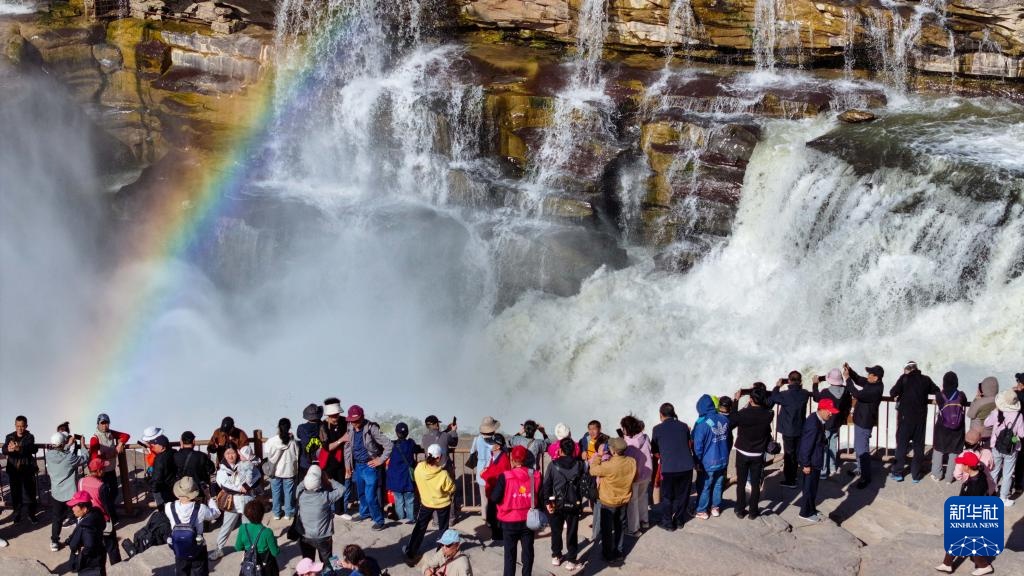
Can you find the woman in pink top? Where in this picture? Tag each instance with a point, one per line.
(972, 443)
(638, 446)
(562, 431)
(92, 484)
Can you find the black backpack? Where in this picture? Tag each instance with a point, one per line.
(573, 488)
(252, 563)
(1006, 440)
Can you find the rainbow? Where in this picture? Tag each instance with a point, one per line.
(177, 217)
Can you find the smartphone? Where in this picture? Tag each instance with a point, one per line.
(821, 379)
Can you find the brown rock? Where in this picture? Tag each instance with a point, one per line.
(856, 116)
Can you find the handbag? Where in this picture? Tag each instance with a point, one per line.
(225, 500)
(535, 518)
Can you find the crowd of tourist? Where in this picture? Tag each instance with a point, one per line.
(338, 457)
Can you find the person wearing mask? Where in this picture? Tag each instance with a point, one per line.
(228, 433)
(436, 489)
(86, 542)
(517, 490)
(331, 456)
(711, 447)
(912, 394)
(400, 470)
(617, 475)
(448, 559)
(948, 430)
(1005, 447)
(482, 452)
(753, 431)
(62, 464)
(975, 485)
(107, 445)
(232, 479)
(562, 431)
(670, 441)
(254, 533)
(562, 493)
(527, 438)
(316, 497)
(164, 472)
(187, 509)
(836, 391)
(790, 422)
(283, 453)
(20, 448)
(638, 447)
(354, 558)
(812, 455)
(983, 404)
(499, 465)
(307, 435)
(365, 455)
(867, 391)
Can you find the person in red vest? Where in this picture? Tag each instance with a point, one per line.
(107, 444)
(517, 490)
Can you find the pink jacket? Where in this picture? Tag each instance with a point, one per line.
(639, 447)
(985, 455)
(1010, 418)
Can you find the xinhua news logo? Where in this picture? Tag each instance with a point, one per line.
(974, 526)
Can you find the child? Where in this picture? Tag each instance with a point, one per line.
(972, 445)
(400, 467)
(974, 485)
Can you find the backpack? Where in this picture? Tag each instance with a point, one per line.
(1006, 441)
(252, 563)
(185, 540)
(571, 498)
(951, 412)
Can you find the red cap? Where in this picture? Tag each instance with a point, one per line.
(95, 465)
(519, 453)
(355, 413)
(969, 459)
(80, 497)
(827, 404)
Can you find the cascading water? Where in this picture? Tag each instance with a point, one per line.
(765, 34)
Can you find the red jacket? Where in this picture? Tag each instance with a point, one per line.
(97, 450)
(515, 505)
(491, 473)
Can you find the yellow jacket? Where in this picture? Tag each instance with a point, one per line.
(435, 485)
(617, 475)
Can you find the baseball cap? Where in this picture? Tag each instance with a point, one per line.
(95, 465)
(450, 536)
(102, 418)
(827, 404)
(434, 451)
(82, 496)
(355, 413)
(59, 439)
(876, 370)
(432, 420)
(969, 459)
(519, 453)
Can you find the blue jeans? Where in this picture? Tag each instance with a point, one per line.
(405, 503)
(709, 486)
(862, 446)
(366, 486)
(282, 491)
(1004, 463)
(831, 463)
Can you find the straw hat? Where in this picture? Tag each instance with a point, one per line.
(186, 488)
(489, 425)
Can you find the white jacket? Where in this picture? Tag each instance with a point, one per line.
(284, 456)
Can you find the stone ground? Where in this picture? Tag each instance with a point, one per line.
(889, 528)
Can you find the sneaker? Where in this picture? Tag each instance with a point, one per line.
(715, 512)
(788, 484)
(571, 566)
(412, 561)
(944, 568)
(982, 571)
(278, 517)
(347, 517)
(54, 547)
(1007, 502)
(813, 518)
(935, 478)
(217, 554)
(3, 543)
(741, 513)
(288, 518)
(377, 527)
(915, 480)
(556, 561)
(702, 516)
(896, 477)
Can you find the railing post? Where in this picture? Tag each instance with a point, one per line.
(126, 490)
(257, 443)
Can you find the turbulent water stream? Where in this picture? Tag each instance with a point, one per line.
(351, 269)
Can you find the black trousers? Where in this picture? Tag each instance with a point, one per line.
(790, 444)
(571, 521)
(1018, 473)
(810, 488)
(675, 498)
(59, 512)
(198, 567)
(310, 547)
(492, 520)
(516, 533)
(23, 489)
(909, 432)
(749, 468)
(108, 496)
(613, 526)
(422, 522)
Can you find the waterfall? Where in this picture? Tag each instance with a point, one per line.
(894, 38)
(765, 34)
(681, 18)
(849, 42)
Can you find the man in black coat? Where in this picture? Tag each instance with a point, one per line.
(164, 471)
(867, 391)
(912, 393)
(812, 456)
(790, 422)
(20, 448)
(192, 463)
(670, 440)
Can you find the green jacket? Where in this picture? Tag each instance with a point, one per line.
(266, 540)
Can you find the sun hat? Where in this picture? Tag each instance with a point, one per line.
(313, 479)
(308, 566)
(1007, 401)
(313, 412)
(151, 433)
(489, 425)
(186, 488)
(835, 377)
(332, 409)
(618, 445)
(562, 430)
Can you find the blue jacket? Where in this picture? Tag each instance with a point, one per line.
(671, 441)
(711, 436)
(812, 444)
(400, 466)
(793, 400)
